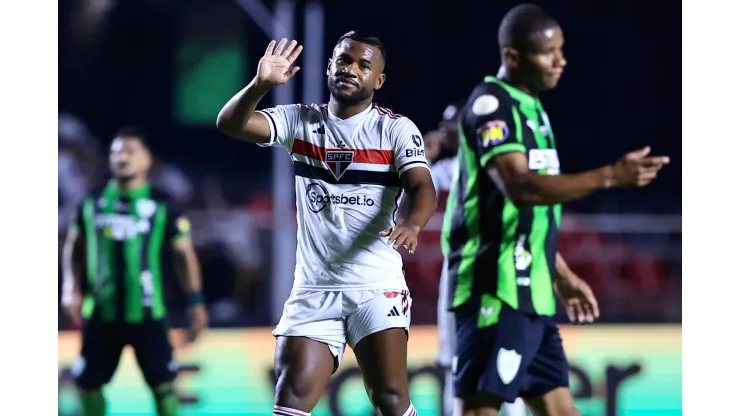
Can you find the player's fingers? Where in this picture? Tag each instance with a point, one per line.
(289, 48)
(638, 154)
(270, 48)
(280, 47)
(571, 313)
(386, 232)
(580, 314)
(653, 162)
(412, 245)
(401, 240)
(594, 305)
(293, 71)
(294, 55)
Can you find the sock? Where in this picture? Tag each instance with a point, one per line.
(411, 411)
(287, 411)
(514, 409)
(93, 403)
(448, 394)
(166, 400)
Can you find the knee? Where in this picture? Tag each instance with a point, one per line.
(291, 389)
(390, 400)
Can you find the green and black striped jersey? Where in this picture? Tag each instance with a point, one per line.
(125, 233)
(498, 252)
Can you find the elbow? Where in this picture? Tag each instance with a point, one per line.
(518, 195)
(223, 124)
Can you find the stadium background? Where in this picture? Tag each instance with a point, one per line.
(169, 66)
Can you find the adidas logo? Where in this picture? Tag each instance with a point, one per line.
(320, 130)
(394, 312)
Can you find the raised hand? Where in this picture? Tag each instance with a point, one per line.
(637, 169)
(275, 66)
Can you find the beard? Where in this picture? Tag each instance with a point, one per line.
(344, 97)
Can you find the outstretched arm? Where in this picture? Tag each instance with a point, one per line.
(511, 173)
(237, 118)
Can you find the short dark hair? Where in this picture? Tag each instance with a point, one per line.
(134, 131)
(358, 36)
(520, 23)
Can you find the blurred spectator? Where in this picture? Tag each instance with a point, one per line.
(226, 235)
(173, 180)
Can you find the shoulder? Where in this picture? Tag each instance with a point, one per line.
(161, 196)
(395, 123)
(487, 98)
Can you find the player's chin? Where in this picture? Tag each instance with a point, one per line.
(551, 81)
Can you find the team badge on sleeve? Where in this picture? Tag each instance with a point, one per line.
(183, 225)
(493, 133)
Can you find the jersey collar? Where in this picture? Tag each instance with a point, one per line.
(515, 92)
(140, 192)
(357, 116)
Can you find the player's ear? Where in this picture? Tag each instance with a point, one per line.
(379, 82)
(510, 56)
(328, 68)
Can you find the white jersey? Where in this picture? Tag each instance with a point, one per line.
(347, 191)
(443, 173)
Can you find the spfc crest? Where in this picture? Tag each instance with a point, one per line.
(339, 161)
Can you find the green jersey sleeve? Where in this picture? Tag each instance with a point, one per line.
(178, 224)
(496, 124)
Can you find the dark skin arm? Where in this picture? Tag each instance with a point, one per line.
(73, 261)
(188, 270)
(237, 118)
(580, 302)
(422, 203)
(510, 172)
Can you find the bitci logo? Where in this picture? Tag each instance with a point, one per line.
(339, 161)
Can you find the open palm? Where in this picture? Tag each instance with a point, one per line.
(275, 66)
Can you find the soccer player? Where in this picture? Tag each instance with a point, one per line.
(443, 174)
(501, 228)
(352, 160)
(113, 258)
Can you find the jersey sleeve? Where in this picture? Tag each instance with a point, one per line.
(283, 120)
(408, 146)
(497, 127)
(178, 224)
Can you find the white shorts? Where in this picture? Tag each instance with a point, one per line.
(445, 323)
(337, 318)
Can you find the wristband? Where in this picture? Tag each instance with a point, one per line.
(195, 298)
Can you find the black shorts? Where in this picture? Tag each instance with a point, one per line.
(519, 356)
(102, 344)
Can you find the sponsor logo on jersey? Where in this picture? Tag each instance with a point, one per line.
(493, 133)
(318, 198)
(484, 105)
(544, 159)
(121, 227)
(338, 161)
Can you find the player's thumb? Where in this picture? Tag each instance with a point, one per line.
(294, 71)
(639, 154)
(386, 232)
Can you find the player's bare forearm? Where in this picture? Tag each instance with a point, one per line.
(421, 197)
(187, 265)
(510, 172)
(562, 271)
(238, 119)
(72, 261)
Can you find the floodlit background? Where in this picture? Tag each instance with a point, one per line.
(170, 65)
